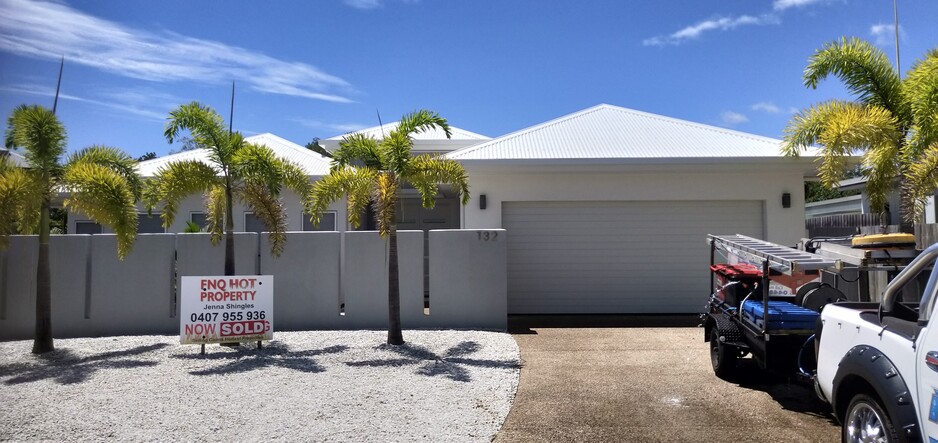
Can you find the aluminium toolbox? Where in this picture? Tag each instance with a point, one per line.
(783, 315)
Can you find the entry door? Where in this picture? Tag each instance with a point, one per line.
(411, 215)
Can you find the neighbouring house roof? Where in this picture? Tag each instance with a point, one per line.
(311, 162)
(851, 204)
(16, 159)
(433, 140)
(607, 132)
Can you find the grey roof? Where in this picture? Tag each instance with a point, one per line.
(16, 159)
(311, 162)
(379, 132)
(606, 132)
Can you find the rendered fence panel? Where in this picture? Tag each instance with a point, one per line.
(18, 288)
(71, 288)
(365, 277)
(411, 261)
(469, 279)
(306, 281)
(195, 254)
(134, 295)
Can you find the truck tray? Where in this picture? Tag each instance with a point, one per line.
(782, 315)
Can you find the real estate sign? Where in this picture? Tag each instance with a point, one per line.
(221, 309)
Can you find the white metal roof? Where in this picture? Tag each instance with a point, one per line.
(311, 162)
(611, 132)
(16, 159)
(379, 132)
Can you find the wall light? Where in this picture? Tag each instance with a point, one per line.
(786, 200)
(481, 201)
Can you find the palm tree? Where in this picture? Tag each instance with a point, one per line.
(891, 121)
(367, 171)
(102, 183)
(239, 170)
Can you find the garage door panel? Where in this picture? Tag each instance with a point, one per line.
(616, 257)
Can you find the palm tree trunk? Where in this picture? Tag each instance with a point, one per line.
(395, 336)
(229, 230)
(42, 341)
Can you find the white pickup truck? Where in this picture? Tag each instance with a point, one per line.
(877, 363)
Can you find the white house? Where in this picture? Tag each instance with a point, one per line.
(607, 209)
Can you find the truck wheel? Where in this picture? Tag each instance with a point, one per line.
(722, 356)
(867, 421)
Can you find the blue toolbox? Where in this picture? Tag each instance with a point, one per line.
(782, 315)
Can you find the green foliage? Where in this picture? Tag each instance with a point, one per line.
(192, 227)
(892, 122)
(247, 172)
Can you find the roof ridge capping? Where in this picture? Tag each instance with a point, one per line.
(465, 152)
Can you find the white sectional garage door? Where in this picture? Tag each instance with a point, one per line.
(617, 257)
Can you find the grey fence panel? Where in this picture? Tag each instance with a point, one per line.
(365, 281)
(18, 288)
(134, 295)
(469, 279)
(306, 281)
(410, 263)
(196, 255)
(71, 288)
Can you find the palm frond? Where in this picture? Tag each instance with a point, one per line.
(215, 210)
(865, 70)
(206, 126)
(176, 181)
(357, 150)
(40, 133)
(384, 199)
(920, 89)
(295, 178)
(21, 194)
(422, 120)
(426, 172)
(921, 180)
(269, 210)
(112, 158)
(806, 126)
(352, 183)
(257, 165)
(105, 196)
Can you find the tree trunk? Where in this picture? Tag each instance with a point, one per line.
(42, 341)
(229, 231)
(395, 336)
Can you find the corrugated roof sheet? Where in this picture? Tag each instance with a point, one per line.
(15, 158)
(311, 162)
(379, 132)
(613, 132)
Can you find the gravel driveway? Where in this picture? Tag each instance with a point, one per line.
(303, 386)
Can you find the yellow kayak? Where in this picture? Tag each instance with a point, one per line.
(883, 240)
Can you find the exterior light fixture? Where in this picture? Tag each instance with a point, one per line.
(481, 201)
(786, 200)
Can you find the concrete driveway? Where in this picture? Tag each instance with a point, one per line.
(646, 379)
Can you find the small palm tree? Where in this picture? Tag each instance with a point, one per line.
(239, 170)
(368, 171)
(102, 183)
(892, 122)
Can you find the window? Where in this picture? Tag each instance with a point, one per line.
(253, 224)
(87, 227)
(149, 224)
(326, 223)
(200, 219)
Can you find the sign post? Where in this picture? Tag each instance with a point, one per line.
(225, 309)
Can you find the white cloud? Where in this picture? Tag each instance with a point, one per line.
(364, 4)
(46, 30)
(781, 5)
(144, 107)
(337, 128)
(718, 24)
(769, 107)
(885, 34)
(733, 118)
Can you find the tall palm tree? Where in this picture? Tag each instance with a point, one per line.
(891, 121)
(102, 183)
(239, 170)
(368, 171)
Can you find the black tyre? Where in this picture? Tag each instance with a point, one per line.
(867, 421)
(722, 357)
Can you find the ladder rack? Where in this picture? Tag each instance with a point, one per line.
(779, 258)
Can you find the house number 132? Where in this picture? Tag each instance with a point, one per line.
(487, 235)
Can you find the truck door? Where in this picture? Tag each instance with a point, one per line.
(926, 365)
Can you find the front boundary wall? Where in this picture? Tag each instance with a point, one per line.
(322, 281)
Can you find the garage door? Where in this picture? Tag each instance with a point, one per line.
(616, 257)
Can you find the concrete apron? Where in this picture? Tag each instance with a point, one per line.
(645, 384)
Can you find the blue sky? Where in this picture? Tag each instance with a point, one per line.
(320, 68)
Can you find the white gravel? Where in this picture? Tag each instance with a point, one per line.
(302, 386)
